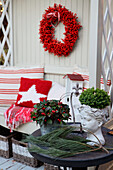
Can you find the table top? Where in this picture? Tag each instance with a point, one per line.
(80, 160)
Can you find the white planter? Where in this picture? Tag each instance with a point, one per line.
(92, 120)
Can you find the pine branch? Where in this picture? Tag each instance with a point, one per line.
(61, 143)
(34, 140)
(56, 133)
(57, 152)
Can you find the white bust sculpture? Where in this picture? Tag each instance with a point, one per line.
(92, 120)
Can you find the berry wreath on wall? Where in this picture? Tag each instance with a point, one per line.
(51, 18)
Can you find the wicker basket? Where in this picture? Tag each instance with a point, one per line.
(5, 142)
(21, 153)
(50, 167)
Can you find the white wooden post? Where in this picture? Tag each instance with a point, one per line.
(95, 42)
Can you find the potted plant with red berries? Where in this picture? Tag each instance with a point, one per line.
(50, 115)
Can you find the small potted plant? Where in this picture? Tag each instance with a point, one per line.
(95, 98)
(50, 114)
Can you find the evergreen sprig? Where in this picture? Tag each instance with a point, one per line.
(58, 143)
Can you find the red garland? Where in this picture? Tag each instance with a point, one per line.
(51, 18)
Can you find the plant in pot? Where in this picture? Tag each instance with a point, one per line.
(93, 114)
(50, 115)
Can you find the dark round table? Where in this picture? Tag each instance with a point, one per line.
(80, 161)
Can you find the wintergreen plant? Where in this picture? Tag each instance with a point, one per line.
(95, 98)
(50, 111)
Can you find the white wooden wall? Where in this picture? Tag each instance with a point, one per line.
(27, 48)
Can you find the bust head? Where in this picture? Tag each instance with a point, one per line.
(91, 118)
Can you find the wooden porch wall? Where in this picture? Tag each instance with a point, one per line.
(27, 48)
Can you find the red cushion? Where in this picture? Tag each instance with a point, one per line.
(32, 91)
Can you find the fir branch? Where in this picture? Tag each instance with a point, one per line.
(70, 145)
(33, 140)
(51, 151)
(56, 133)
(58, 143)
(77, 138)
(57, 152)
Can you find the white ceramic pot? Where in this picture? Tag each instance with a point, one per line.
(92, 119)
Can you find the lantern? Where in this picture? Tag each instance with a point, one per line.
(74, 87)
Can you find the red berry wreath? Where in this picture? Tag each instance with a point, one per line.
(51, 18)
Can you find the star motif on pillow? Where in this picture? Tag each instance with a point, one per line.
(31, 95)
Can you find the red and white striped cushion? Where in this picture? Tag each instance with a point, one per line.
(10, 82)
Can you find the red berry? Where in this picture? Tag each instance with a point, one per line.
(43, 114)
(53, 111)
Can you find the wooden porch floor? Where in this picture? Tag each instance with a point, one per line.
(10, 164)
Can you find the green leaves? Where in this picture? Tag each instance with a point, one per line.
(95, 98)
(40, 117)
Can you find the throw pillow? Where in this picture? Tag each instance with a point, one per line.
(32, 91)
(56, 92)
(10, 82)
